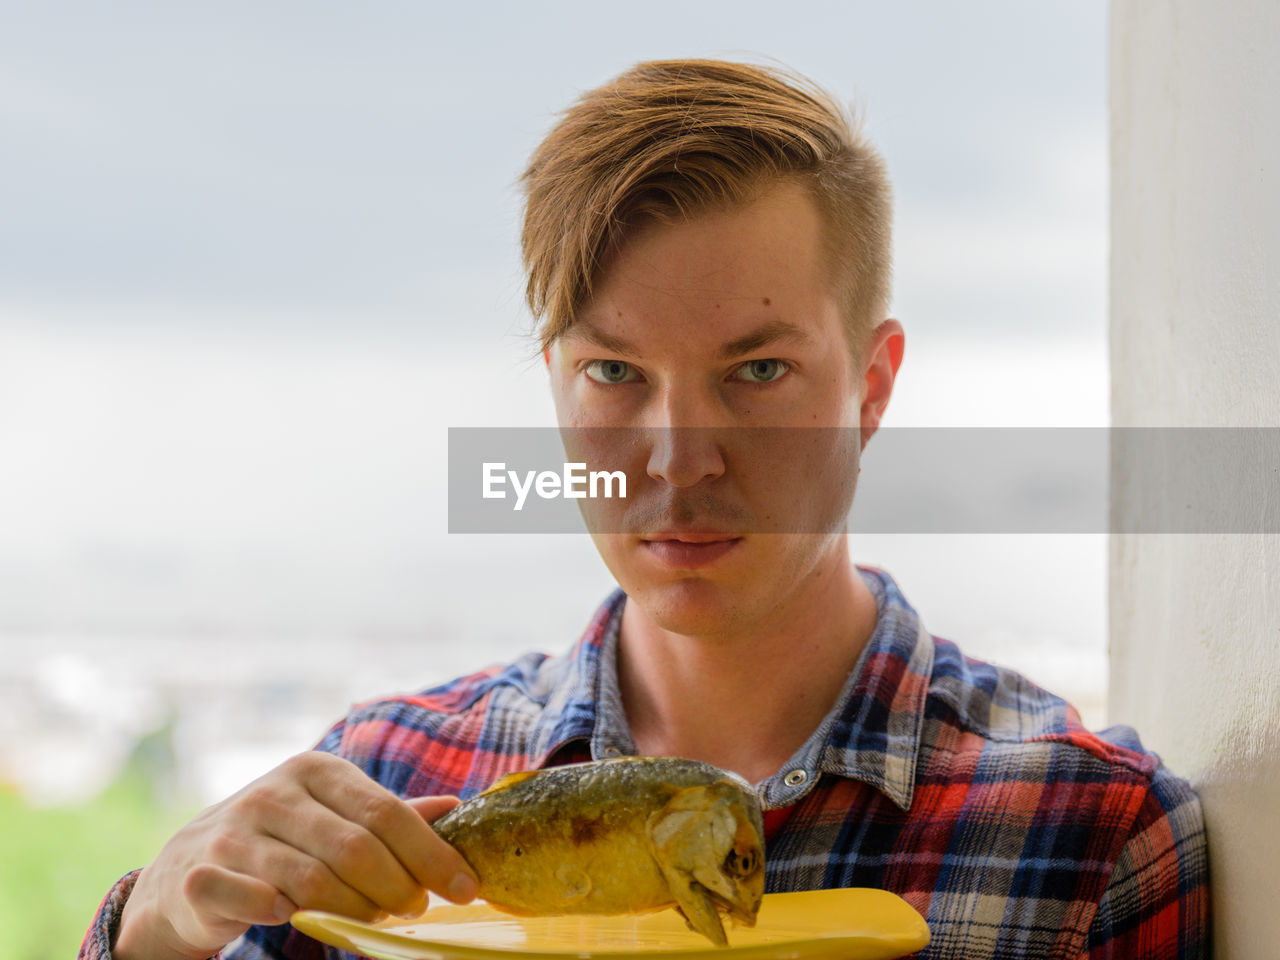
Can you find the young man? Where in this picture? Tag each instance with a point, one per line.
(708, 248)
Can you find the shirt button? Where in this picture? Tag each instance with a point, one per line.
(795, 778)
(612, 752)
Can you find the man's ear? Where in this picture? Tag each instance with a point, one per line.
(882, 355)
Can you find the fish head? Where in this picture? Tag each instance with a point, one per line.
(709, 843)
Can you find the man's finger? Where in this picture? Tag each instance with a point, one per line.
(463, 887)
(434, 864)
(431, 809)
(356, 856)
(236, 897)
(308, 881)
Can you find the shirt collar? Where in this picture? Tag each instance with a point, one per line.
(575, 702)
(871, 734)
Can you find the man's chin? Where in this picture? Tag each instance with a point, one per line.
(689, 606)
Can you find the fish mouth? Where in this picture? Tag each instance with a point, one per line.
(740, 913)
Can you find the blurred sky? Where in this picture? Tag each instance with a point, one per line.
(313, 164)
(256, 258)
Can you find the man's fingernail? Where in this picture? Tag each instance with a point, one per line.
(283, 908)
(462, 888)
(415, 911)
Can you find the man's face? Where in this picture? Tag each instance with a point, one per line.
(698, 335)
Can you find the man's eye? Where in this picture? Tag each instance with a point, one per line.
(761, 371)
(611, 371)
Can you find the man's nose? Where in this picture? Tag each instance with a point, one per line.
(685, 439)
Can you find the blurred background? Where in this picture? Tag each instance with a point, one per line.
(255, 259)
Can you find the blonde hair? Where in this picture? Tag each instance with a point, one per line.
(670, 139)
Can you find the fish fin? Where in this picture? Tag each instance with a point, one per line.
(508, 780)
(698, 909)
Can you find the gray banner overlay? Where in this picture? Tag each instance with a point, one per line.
(908, 480)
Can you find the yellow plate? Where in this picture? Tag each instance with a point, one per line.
(852, 924)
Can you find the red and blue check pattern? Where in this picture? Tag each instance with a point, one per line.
(970, 792)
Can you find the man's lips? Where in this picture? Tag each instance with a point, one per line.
(690, 537)
(688, 551)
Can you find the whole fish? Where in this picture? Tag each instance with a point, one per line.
(629, 835)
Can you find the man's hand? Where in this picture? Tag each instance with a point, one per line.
(314, 833)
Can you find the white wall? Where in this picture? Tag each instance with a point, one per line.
(1195, 341)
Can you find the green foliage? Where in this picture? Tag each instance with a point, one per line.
(56, 864)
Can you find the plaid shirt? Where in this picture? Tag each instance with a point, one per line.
(973, 794)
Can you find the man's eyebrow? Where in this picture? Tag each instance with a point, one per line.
(763, 336)
(608, 341)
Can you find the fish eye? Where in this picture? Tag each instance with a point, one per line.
(741, 864)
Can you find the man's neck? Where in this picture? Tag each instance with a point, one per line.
(747, 702)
